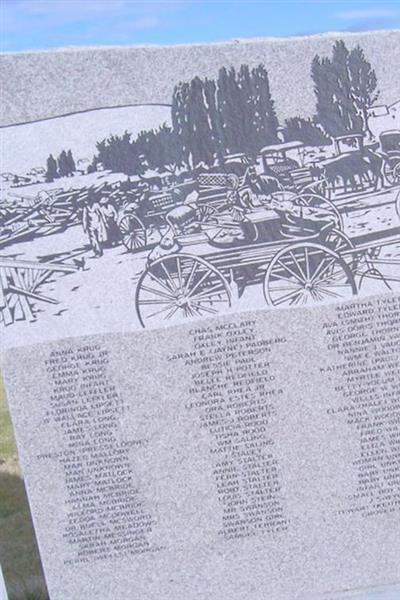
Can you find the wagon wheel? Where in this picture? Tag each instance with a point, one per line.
(312, 199)
(398, 204)
(389, 172)
(307, 273)
(233, 181)
(133, 233)
(178, 287)
(338, 241)
(205, 212)
(396, 173)
(391, 169)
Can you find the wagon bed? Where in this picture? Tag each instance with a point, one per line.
(200, 279)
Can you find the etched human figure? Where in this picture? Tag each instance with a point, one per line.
(110, 217)
(94, 225)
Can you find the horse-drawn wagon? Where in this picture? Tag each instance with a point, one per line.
(284, 162)
(301, 256)
(147, 213)
(140, 217)
(139, 220)
(353, 167)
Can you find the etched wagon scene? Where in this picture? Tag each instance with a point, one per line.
(221, 206)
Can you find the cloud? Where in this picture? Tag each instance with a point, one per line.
(47, 23)
(367, 19)
(59, 12)
(145, 23)
(368, 13)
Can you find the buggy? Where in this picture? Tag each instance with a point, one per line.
(295, 248)
(390, 147)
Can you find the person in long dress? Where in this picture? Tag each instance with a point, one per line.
(110, 217)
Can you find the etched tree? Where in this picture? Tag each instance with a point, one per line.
(63, 167)
(306, 131)
(200, 141)
(210, 97)
(265, 119)
(210, 118)
(364, 84)
(228, 100)
(160, 148)
(345, 87)
(71, 163)
(170, 149)
(118, 154)
(51, 172)
(180, 119)
(247, 109)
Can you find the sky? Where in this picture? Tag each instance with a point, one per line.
(42, 24)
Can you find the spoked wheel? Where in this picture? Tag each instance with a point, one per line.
(341, 244)
(133, 233)
(398, 204)
(390, 172)
(396, 173)
(319, 201)
(307, 273)
(338, 241)
(178, 287)
(206, 213)
(233, 181)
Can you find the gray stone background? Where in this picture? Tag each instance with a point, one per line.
(44, 84)
(321, 551)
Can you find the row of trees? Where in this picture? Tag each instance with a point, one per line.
(236, 113)
(210, 119)
(305, 130)
(157, 149)
(64, 166)
(233, 114)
